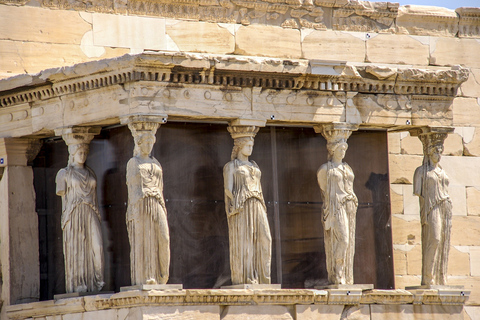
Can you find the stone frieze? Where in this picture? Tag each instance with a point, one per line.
(345, 15)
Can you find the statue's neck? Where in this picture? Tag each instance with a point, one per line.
(242, 157)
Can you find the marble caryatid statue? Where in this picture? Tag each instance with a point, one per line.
(340, 203)
(248, 229)
(82, 234)
(430, 183)
(146, 213)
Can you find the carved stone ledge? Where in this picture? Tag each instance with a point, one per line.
(469, 25)
(321, 297)
(344, 296)
(440, 296)
(453, 296)
(135, 298)
(219, 296)
(284, 296)
(454, 76)
(233, 297)
(425, 20)
(377, 296)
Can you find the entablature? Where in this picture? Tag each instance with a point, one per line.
(221, 87)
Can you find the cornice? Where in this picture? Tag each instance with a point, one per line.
(230, 72)
(469, 24)
(425, 20)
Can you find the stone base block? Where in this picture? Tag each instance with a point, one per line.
(253, 286)
(174, 313)
(147, 287)
(257, 312)
(417, 312)
(324, 312)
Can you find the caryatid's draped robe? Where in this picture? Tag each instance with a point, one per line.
(249, 232)
(436, 219)
(147, 222)
(82, 237)
(339, 222)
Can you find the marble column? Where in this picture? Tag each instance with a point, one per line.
(19, 249)
(340, 203)
(430, 184)
(80, 220)
(249, 232)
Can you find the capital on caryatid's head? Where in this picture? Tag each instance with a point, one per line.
(336, 132)
(243, 128)
(431, 137)
(77, 138)
(74, 135)
(139, 123)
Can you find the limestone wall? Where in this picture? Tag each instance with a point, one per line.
(60, 33)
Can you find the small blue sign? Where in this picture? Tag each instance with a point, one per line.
(1, 160)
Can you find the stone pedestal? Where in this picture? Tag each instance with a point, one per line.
(20, 271)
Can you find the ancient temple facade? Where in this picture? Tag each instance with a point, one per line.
(77, 72)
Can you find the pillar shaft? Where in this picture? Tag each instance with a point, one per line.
(19, 255)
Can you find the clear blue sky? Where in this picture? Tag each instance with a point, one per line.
(450, 4)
